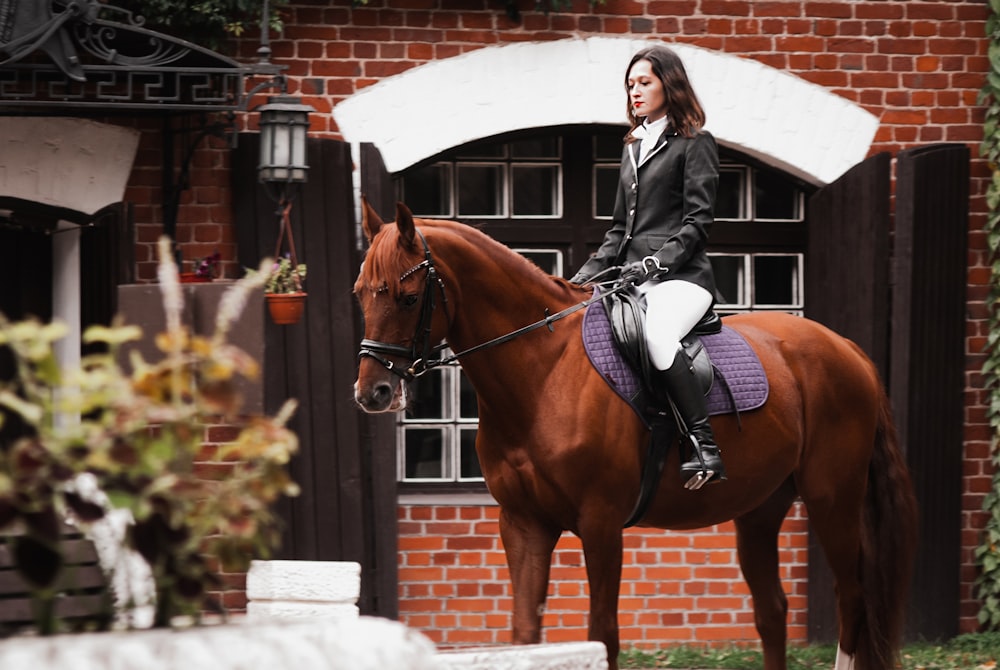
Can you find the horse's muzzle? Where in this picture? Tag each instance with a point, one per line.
(382, 396)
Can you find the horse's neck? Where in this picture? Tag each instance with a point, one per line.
(491, 308)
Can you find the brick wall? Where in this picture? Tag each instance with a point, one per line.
(917, 65)
(676, 586)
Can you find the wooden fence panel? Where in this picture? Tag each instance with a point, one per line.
(927, 382)
(847, 289)
(314, 361)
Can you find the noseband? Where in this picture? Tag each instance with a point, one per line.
(418, 356)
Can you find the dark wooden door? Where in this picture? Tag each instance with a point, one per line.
(847, 289)
(342, 512)
(927, 379)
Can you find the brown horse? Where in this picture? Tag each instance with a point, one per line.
(561, 452)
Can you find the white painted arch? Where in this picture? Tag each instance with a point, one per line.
(781, 119)
(71, 163)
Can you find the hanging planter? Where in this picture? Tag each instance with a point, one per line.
(283, 288)
(286, 308)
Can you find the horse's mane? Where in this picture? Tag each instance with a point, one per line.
(387, 259)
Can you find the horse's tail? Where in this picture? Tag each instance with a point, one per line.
(888, 543)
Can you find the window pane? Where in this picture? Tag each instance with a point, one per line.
(776, 280)
(469, 460)
(424, 453)
(609, 147)
(549, 260)
(774, 197)
(730, 273)
(467, 401)
(605, 190)
(426, 397)
(427, 190)
(730, 198)
(535, 190)
(545, 147)
(480, 190)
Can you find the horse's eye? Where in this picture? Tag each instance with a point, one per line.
(409, 300)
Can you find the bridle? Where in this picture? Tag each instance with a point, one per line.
(419, 361)
(420, 357)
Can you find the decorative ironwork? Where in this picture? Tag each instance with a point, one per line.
(104, 64)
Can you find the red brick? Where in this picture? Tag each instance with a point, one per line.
(777, 8)
(832, 9)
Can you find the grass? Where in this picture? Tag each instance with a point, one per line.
(979, 651)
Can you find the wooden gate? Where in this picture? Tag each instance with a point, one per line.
(927, 378)
(347, 509)
(847, 289)
(907, 311)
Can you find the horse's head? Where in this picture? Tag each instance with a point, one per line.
(398, 288)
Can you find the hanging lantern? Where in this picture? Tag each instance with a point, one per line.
(284, 122)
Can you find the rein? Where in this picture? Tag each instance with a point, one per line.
(421, 365)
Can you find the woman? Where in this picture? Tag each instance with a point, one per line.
(663, 210)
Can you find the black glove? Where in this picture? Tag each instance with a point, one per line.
(580, 278)
(638, 272)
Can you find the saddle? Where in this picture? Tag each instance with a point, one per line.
(626, 311)
(620, 318)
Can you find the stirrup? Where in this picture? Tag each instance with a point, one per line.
(705, 475)
(701, 478)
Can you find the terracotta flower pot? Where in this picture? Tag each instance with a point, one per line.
(286, 308)
(193, 278)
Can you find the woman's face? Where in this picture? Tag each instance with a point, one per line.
(645, 91)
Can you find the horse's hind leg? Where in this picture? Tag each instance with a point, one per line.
(757, 544)
(835, 517)
(529, 545)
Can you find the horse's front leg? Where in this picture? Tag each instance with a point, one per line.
(602, 550)
(529, 545)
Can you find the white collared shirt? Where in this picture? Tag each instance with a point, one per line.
(652, 132)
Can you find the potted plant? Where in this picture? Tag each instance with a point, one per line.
(139, 433)
(205, 270)
(284, 291)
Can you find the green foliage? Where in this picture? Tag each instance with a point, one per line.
(139, 434)
(987, 554)
(967, 652)
(208, 23)
(283, 276)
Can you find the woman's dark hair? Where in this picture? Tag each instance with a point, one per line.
(685, 112)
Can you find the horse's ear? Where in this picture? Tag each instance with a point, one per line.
(404, 223)
(371, 222)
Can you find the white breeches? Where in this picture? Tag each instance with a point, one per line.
(673, 308)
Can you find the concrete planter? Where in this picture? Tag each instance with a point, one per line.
(563, 656)
(302, 615)
(361, 644)
(303, 590)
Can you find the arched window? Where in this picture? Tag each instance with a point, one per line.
(550, 195)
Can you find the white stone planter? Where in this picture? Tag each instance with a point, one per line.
(362, 644)
(563, 656)
(302, 590)
(301, 615)
(366, 643)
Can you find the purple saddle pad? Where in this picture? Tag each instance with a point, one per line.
(734, 364)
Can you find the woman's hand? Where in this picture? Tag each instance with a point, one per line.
(639, 272)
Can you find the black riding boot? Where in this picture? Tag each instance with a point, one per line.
(683, 389)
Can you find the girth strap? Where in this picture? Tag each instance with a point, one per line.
(660, 436)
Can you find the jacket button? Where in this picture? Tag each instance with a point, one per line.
(633, 186)
(631, 212)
